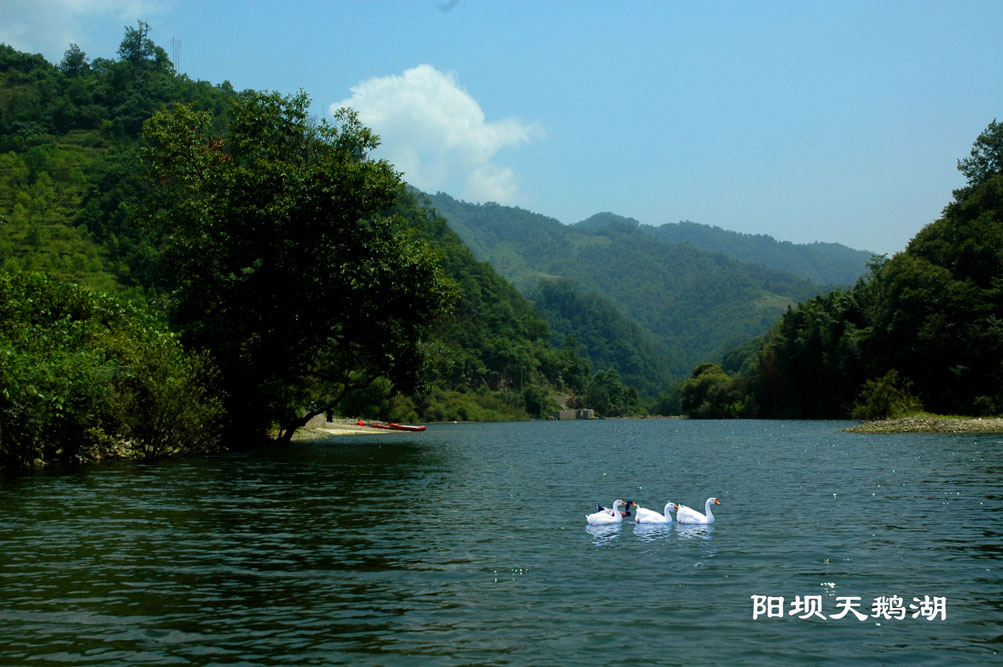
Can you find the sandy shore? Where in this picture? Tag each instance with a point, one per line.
(923, 424)
(319, 428)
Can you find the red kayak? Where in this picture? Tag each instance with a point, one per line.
(393, 426)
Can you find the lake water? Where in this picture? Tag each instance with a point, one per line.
(467, 544)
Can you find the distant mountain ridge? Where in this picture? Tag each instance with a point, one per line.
(821, 263)
(695, 303)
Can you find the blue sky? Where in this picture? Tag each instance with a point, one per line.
(805, 120)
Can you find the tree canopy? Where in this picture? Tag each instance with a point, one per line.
(986, 157)
(283, 260)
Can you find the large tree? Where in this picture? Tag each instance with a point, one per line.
(284, 262)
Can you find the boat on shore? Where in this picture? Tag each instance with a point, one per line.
(393, 426)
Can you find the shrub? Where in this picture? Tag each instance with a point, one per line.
(84, 376)
(886, 398)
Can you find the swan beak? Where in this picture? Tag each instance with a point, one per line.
(716, 502)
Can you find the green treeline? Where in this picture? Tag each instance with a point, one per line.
(491, 358)
(923, 329)
(69, 170)
(221, 255)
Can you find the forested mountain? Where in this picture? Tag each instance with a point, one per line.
(493, 339)
(611, 339)
(821, 263)
(697, 304)
(83, 199)
(68, 162)
(207, 214)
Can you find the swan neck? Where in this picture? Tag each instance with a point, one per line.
(707, 511)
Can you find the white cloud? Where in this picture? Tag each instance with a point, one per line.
(436, 133)
(49, 26)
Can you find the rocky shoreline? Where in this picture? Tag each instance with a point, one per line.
(930, 424)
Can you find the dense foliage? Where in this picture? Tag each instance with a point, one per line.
(922, 328)
(494, 341)
(610, 397)
(85, 376)
(710, 393)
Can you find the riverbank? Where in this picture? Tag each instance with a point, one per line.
(931, 424)
(319, 428)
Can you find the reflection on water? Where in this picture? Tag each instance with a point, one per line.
(604, 534)
(463, 545)
(647, 532)
(691, 531)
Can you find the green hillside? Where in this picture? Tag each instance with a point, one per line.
(493, 339)
(68, 163)
(821, 263)
(610, 338)
(697, 304)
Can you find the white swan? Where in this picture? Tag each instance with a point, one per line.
(689, 515)
(605, 516)
(644, 515)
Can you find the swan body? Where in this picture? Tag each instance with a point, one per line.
(606, 516)
(644, 515)
(689, 515)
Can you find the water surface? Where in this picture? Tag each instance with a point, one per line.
(468, 544)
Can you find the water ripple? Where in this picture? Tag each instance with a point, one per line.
(467, 544)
